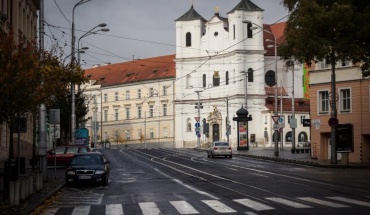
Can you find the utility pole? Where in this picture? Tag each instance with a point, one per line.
(198, 106)
(42, 110)
(227, 119)
(281, 115)
(293, 122)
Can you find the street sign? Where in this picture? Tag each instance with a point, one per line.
(197, 129)
(54, 131)
(275, 118)
(293, 123)
(281, 121)
(276, 127)
(197, 118)
(197, 125)
(333, 121)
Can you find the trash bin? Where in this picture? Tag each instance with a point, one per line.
(107, 145)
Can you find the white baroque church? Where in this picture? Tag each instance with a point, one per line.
(225, 61)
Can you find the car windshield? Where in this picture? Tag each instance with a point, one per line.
(86, 160)
(221, 144)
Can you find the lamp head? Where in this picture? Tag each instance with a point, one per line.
(105, 29)
(102, 25)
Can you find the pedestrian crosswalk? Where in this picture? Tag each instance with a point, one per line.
(247, 205)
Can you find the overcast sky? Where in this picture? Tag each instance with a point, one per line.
(138, 28)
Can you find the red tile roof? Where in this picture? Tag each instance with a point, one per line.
(278, 30)
(161, 67)
(301, 105)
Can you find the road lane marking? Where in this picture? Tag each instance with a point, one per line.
(113, 209)
(347, 200)
(219, 206)
(149, 208)
(81, 210)
(253, 204)
(194, 189)
(288, 202)
(323, 202)
(184, 207)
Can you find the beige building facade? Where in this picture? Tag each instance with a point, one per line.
(353, 107)
(131, 103)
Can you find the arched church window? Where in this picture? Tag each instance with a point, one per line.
(188, 124)
(204, 80)
(216, 79)
(188, 39)
(249, 30)
(250, 75)
(227, 78)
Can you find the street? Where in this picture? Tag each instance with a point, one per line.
(185, 181)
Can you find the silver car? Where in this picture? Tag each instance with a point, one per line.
(220, 149)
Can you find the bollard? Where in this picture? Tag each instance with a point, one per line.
(16, 192)
(30, 191)
(11, 192)
(27, 186)
(22, 192)
(41, 180)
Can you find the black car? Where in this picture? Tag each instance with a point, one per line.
(88, 167)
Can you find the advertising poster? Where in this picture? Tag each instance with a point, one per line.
(243, 134)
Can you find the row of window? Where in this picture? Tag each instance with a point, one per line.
(127, 134)
(152, 92)
(324, 101)
(139, 112)
(216, 79)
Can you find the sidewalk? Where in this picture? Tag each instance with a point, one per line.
(54, 183)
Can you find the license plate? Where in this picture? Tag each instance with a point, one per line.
(223, 148)
(84, 177)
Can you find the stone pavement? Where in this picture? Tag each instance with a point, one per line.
(54, 183)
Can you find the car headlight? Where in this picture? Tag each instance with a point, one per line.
(71, 172)
(99, 172)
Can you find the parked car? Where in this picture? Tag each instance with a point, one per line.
(88, 167)
(220, 149)
(63, 154)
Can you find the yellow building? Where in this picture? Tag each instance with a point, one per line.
(132, 102)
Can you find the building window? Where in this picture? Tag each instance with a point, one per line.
(188, 39)
(302, 118)
(165, 132)
(345, 100)
(249, 30)
(105, 97)
(216, 79)
(128, 135)
(250, 75)
(227, 77)
(116, 114)
(164, 89)
(164, 109)
(116, 96)
(323, 102)
(204, 80)
(105, 115)
(188, 124)
(151, 110)
(265, 120)
(127, 94)
(139, 93)
(151, 92)
(151, 132)
(127, 113)
(139, 112)
(289, 118)
(234, 31)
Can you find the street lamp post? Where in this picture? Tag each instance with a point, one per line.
(73, 114)
(276, 149)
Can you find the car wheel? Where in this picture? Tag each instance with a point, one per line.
(212, 155)
(208, 155)
(105, 181)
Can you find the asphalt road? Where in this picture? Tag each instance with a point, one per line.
(185, 181)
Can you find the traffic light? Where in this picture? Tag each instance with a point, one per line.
(200, 106)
